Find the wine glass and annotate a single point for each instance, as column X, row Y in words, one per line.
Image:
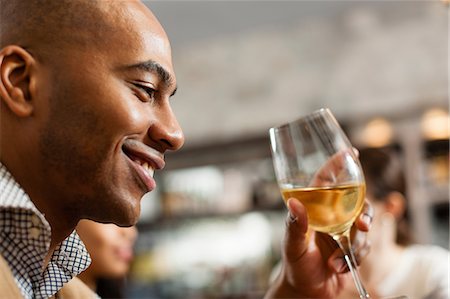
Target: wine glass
column 315, row 163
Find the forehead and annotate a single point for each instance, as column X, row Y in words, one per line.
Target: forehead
column 137, row 37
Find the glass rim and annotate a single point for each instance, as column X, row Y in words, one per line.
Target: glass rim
column 302, row 119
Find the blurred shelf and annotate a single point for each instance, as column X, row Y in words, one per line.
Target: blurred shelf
column 218, row 153
column 175, row 220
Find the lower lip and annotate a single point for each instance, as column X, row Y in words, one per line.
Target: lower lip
column 148, row 181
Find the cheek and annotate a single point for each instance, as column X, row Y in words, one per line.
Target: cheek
column 132, row 116
column 120, row 116
column 80, row 148
column 90, row 127
column 136, row 121
column 67, row 144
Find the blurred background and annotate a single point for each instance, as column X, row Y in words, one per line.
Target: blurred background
column 213, row 227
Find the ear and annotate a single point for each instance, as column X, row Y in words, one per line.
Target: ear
column 15, row 77
column 395, row 204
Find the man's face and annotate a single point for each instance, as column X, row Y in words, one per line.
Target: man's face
column 109, row 119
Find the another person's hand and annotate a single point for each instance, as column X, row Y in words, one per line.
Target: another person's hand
column 313, row 265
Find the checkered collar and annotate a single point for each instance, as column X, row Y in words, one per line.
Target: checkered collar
column 25, row 240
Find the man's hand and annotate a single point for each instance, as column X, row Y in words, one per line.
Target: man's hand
column 313, row 265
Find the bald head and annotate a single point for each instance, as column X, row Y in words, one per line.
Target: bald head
column 24, row 21
column 51, row 25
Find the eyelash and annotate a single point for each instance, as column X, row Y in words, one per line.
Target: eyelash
column 150, row 92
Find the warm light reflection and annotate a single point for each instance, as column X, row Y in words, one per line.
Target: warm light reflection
column 377, row 133
column 435, row 124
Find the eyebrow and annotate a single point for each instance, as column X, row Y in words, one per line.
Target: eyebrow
column 154, row 67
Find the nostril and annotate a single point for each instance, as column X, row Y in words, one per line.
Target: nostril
column 166, row 136
column 167, row 142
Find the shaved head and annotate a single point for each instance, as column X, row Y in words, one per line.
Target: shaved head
column 49, row 25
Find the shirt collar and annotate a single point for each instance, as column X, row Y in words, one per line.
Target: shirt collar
column 27, row 225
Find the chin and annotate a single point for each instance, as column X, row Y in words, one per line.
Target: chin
column 119, row 272
column 125, row 213
column 127, row 217
column 116, row 202
column 132, row 215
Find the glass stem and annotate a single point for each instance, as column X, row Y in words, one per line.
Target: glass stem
column 344, row 243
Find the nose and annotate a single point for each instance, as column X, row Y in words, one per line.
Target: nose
column 165, row 132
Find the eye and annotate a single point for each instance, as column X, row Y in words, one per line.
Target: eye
column 149, row 93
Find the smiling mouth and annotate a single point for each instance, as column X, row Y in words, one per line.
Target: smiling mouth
column 144, row 164
column 145, row 161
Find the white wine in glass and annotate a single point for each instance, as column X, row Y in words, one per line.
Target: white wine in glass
column 315, row 163
column 331, row 210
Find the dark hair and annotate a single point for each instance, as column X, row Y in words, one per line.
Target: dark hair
column 383, row 171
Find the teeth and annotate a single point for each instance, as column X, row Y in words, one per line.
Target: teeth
column 148, row 168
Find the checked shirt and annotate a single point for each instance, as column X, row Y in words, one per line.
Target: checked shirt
column 25, row 240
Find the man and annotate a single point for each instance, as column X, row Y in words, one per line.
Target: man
column 85, row 122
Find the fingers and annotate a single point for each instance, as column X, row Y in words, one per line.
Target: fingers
column 296, row 228
column 360, row 243
column 364, row 219
column 336, row 262
column 360, row 250
column 361, row 247
column 329, row 172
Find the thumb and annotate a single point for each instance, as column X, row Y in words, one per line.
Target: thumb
column 295, row 241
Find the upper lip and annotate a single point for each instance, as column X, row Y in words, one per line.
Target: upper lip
column 136, row 149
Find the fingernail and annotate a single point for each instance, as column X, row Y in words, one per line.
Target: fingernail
column 294, row 207
column 292, row 218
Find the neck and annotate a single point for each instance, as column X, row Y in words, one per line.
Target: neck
column 61, row 225
column 380, row 262
column 47, row 201
column 60, row 230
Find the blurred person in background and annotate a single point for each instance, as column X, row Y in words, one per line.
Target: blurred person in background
column 111, row 251
column 396, row 266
